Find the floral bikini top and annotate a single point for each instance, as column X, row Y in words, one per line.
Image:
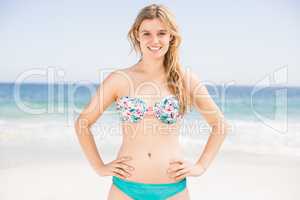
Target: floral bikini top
column 134, row 109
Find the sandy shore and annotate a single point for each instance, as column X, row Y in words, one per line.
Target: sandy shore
column 233, row 176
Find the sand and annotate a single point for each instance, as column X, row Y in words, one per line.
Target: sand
column 232, row 175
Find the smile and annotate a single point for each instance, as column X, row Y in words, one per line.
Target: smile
column 154, row 48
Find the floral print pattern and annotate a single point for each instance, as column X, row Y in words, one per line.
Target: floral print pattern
column 134, row 109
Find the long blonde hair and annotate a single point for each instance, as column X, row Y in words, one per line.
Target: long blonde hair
column 171, row 63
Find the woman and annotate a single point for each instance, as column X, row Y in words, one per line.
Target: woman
column 151, row 97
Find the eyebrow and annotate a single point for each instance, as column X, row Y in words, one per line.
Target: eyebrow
column 161, row 30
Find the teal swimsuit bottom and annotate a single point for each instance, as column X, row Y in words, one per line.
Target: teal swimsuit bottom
column 143, row 191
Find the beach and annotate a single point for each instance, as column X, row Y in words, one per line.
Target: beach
column 231, row 176
column 41, row 159
column 57, row 56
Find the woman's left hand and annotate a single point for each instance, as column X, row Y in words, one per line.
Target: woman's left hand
column 179, row 169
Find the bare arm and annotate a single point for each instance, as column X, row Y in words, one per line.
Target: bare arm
column 104, row 97
column 203, row 102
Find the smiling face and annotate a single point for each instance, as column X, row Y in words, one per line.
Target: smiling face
column 154, row 38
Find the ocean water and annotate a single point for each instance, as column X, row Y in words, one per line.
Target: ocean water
column 35, row 117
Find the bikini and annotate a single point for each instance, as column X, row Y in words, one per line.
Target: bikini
column 133, row 109
column 143, row 191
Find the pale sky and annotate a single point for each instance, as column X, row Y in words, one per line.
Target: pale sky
column 240, row 41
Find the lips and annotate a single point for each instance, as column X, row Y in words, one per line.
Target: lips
column 154, row 49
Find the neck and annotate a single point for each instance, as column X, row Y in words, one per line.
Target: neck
column 152, row 66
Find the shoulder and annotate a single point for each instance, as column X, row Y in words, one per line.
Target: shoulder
column 118, row 81
column 118, row 76
column 191, row 78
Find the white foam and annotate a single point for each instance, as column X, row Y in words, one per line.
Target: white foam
column 246, row 136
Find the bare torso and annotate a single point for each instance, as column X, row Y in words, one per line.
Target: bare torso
column 150, row 142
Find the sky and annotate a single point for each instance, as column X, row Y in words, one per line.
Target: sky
column 243, row 42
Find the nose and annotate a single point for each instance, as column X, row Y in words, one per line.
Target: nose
column 155, row 39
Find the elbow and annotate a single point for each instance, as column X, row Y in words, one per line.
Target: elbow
column 80, row 124
column 77, row 122
column 220, row 127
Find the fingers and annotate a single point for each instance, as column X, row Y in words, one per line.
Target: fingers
column 178, row 169
column 177, row 178
column 178, row 161
column 120, row 168
column 175, row 168
column 120, row 173
column 120, row 163
column 124, row 166
column 180, row 174
column 123, row 169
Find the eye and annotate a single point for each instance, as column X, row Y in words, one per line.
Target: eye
column 162, row 33
column 146, row 34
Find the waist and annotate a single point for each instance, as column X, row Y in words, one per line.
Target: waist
column 118, row 181
column 151, row 164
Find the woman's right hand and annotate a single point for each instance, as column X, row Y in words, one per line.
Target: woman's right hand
column 117, row 168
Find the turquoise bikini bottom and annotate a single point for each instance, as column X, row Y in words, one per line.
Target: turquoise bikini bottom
column 143, row 191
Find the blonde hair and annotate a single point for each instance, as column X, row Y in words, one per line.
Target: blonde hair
column 172, row 67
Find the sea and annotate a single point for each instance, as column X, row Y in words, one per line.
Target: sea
column 37, row 121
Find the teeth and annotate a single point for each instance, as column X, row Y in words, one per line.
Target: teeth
column 154, row 48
